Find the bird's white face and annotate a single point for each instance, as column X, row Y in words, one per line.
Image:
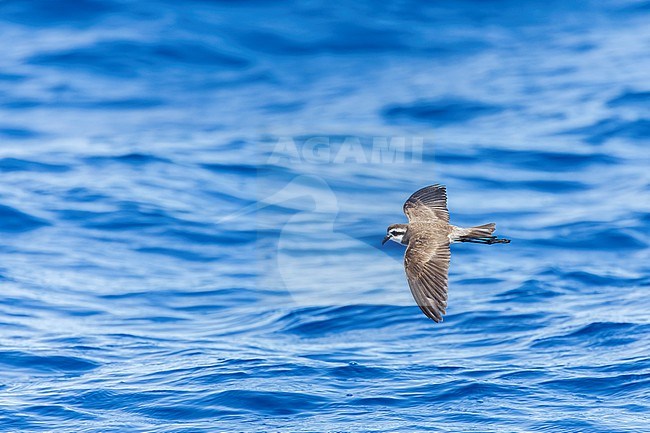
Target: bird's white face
column 395, row 234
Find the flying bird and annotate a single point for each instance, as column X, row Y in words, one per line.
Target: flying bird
column 427, row 237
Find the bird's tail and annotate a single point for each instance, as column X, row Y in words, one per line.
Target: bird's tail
column 481, row 235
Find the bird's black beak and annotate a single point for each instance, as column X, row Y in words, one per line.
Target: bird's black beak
column 385, row 239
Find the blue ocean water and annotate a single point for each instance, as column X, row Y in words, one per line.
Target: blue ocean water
column 191, row 214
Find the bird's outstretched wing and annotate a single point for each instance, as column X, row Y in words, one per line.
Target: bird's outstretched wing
column 427, row 204
column 427, row 265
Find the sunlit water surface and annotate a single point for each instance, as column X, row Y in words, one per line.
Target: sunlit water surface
column 167, row 264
